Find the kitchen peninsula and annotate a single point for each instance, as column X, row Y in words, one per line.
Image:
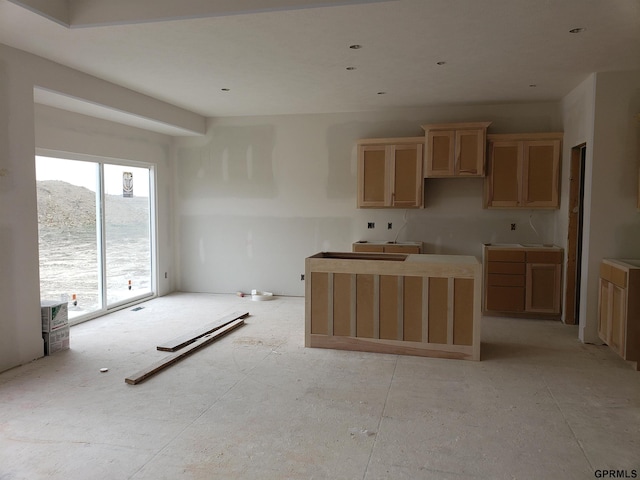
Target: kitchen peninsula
column 426, row 305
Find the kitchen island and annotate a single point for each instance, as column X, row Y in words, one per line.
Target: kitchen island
column 426, row 305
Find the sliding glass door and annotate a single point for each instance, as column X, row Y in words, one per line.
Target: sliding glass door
column 95, row 235
column 127, row 233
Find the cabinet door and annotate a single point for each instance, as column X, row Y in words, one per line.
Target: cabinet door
column 541, row 168
column 439, row 159
column 469, row 153
column 503, row 182
column 372, row 176
column 543, row 288
column 618, row 318
column 603, row 310
column 406, row 178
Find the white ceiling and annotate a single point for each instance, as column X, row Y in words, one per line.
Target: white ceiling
column 290, row 58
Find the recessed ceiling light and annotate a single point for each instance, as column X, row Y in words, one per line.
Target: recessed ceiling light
column 225, row 89
column 577, row 30
column 441, row 63
column 351, row 68
column 355, row 47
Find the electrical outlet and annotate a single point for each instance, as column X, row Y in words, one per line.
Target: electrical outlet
column 389, row 226
column 165, row 275
column 371, row 225
column 302, row 277
column 513, row 226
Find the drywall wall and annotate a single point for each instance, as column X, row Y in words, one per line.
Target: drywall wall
column 613, row 226
column 20, row 327
column 256, row 195
column 578, row 115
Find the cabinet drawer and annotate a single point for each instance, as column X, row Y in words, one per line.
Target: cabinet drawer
column 506, row 255
column 505, row 299
column 554, row 257
column 497, row 280
column 613, row 274
column 506, row 268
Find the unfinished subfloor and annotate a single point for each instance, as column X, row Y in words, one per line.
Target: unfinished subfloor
column 259, row 405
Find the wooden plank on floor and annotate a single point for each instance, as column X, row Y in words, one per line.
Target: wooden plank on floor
column 184, row 340
column 179, row 355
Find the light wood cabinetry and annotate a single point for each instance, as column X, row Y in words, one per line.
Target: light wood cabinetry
column 455, row 149
column 390, row 172
column 523, row 170
column 387, row 247
column 543, row 283
column 521, row 279
column 619, row 307
column 427, row 305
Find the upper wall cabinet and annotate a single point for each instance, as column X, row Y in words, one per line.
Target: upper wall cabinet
column 523, row 170
column 455, row 149
column 390, row 172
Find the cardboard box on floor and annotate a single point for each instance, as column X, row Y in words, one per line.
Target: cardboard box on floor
column 54, row 315
column 56, row 341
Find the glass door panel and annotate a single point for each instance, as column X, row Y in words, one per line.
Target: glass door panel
column 127, row 233
column 68, row 234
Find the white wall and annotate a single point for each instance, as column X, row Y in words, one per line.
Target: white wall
column 578, row 109
column 613, row 226
column 20, row 327
column 259, row 194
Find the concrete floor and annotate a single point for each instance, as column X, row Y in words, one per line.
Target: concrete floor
column 258, row 405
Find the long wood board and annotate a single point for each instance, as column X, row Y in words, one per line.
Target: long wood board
column 184, row 340
column 176, row 356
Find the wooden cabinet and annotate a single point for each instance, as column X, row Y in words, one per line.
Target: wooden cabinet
column 505, row 278
column 387, row 247
column 619, row 307
column 523, row 280
column 455, row 149
column 426, row 305
column 523, row 170
column 390, row 172
column 543, row 282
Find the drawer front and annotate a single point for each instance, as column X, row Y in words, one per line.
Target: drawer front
column 554, row 257
column 613, row 274
column 506, row 268
column 360, row 247
column 497, row 280
column 505, row 255
column 402, row 249
column 505, row 299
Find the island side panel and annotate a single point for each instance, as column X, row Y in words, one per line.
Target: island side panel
column 319, row 303
column 413, row 308
column 389, row 307
column 463, row 311
column 365, row 306
column 438, row 309
column 342, row 298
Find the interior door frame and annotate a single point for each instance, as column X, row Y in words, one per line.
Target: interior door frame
column 574, row 234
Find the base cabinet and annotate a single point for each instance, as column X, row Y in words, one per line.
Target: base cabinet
column 619, row 307
column 523, row 280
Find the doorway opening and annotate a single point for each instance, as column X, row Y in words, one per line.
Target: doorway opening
column 96, row 241
column 574, row 242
